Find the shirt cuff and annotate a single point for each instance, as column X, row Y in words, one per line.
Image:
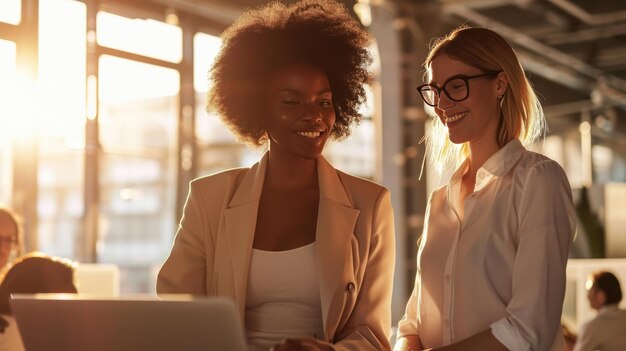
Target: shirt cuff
column 508, row 335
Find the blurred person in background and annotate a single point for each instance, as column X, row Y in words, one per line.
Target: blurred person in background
column 607, row 330
column 305, row 250
column 31, row 273
column 10, row 236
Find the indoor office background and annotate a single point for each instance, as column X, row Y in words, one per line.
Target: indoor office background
column 102, row 121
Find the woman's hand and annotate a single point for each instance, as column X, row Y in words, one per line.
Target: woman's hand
column 409, row 343
column 304, row 344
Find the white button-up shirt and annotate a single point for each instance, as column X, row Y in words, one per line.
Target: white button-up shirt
column 500, row 267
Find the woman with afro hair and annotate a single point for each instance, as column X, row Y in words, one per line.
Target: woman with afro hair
column 304, row 250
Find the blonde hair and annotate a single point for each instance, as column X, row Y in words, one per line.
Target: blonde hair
column 521, row 113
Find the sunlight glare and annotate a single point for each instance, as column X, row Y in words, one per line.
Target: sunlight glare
column 146, row 37
column 20, row 117
column 62, row 68
column 7, row 77
column 130, row 81
column 206, row 49
column 11, row 11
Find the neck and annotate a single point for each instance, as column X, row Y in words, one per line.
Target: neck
column 480, row 152
column 286, row 171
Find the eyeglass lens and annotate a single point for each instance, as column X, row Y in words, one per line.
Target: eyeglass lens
column 455, row 89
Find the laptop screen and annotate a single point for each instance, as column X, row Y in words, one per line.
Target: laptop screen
column 77, row 322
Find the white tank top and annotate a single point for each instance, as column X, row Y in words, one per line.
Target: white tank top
column 283, row 297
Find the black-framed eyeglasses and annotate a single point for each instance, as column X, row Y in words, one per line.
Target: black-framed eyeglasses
column 456, row 88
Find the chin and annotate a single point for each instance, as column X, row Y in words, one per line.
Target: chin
column 309, row 153
column 456, row 139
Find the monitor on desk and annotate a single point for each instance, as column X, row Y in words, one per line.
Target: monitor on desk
column 77, row 322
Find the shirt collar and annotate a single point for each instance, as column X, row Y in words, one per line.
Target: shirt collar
column 458, row 174
column 499, row 164
column 504, row 159
column 607, row 308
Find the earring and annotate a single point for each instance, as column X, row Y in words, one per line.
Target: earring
column 500, row 97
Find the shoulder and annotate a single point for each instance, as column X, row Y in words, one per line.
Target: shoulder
column 535, row 167
column 621, row 315
column 541, row 178
column 363, row 193
column 593, row 324
column 354, row 184
column 533, row 161
column 613, row 315
column 221, row 180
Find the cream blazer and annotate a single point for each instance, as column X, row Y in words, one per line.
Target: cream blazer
column 355, row 249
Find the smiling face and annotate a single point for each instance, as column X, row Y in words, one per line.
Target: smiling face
column 300, row 113
column 474, row 119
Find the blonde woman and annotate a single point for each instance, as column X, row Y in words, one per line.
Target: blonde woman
column 491, row 260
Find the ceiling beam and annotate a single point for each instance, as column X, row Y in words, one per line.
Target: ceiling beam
column 219, row 11
column 587, row 34
column 588, row 18
column 614, row 87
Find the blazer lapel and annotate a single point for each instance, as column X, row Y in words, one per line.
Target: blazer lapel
column 336, row 221
column 236, row 232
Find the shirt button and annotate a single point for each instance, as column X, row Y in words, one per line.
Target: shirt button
column 446, row 322
column 447, row 277
column 350, row 288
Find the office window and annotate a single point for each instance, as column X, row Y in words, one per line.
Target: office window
column 60, row 130
column 145, row 37
column 11, row 11
column 7, row 117
column 217, row 148
column 358, row 154
column 138, row 134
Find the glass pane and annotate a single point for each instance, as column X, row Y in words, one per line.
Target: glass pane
column 7, row 79
column 356, row 155
column 5, row 173
column 11, row 11
column 217, row 148
column 138, row 134
column 62, row 55
column 206, row 48
column 140, row 36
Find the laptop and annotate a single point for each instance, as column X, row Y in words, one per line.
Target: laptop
column 71, row 322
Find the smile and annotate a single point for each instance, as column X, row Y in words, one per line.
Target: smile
column 311, row 135
column 454, row 118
